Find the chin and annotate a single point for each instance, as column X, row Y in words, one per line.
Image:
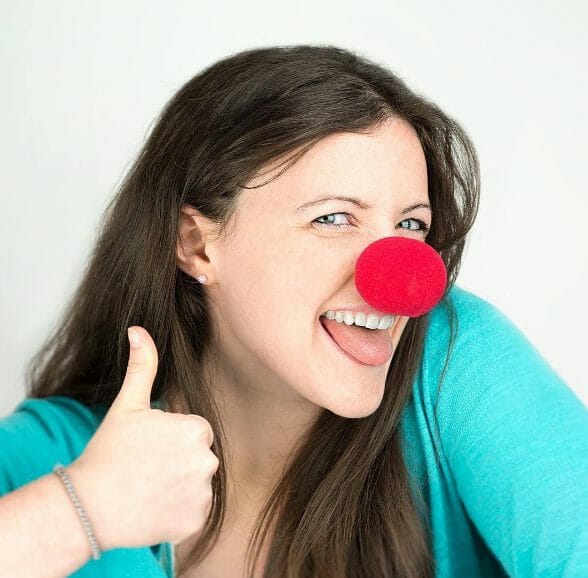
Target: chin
column 356, row 414
column 355, row 408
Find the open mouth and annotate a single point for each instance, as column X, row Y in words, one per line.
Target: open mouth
column 363, row 346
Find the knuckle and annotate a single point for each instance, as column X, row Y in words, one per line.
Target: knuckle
column 195, row 419
column 135, row 366
column 203, row 428
column 211, row 466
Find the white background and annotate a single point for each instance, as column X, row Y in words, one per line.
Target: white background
column 81, row 83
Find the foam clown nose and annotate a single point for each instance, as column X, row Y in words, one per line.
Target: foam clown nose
column 401, row 276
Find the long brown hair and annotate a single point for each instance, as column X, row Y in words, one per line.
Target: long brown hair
column 344, row 507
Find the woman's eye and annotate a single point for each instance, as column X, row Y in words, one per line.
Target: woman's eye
column 423, row 227
column 337, row 225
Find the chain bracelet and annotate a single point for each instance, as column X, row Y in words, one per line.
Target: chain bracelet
column 62, row 473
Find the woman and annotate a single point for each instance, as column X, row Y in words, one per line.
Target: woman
column 446, row 458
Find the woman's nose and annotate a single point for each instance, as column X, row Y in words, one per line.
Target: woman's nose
column 401, row 276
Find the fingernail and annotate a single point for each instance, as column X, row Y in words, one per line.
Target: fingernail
column 134, row 338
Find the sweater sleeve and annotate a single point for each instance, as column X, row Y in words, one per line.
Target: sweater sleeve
column 514, row 438
column 39, row 433
column 43, row 431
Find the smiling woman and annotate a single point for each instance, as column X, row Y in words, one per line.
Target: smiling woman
column 337, row 455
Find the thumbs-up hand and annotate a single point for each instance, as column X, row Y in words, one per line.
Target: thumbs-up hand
column 145, row 476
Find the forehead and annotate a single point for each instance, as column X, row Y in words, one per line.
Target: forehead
column 384, row 166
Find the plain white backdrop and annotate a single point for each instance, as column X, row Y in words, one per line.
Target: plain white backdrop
column 82, row 82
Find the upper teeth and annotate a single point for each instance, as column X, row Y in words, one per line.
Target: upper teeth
column 372, row 321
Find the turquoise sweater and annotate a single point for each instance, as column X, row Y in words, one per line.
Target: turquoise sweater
column 507, row 497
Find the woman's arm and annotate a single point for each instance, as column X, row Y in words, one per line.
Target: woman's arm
column 515, row 438
column 41, row 535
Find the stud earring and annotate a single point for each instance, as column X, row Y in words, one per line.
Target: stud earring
column 201, row 279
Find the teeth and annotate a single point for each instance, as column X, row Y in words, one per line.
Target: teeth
column 372, row 322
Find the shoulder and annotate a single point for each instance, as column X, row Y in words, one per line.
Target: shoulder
column 491, row 373
column 470, row 332
column 472, row 317
column 40, row 432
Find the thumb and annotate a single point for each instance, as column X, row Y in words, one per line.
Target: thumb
column 135, row 392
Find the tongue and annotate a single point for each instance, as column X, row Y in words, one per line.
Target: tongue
column 370, row 346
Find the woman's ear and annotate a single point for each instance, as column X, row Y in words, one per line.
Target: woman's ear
column 194, row 232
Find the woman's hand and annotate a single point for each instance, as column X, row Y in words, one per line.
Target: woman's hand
column 145, row 476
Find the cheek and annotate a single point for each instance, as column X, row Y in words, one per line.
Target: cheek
column 268, row 288
column 295, row 275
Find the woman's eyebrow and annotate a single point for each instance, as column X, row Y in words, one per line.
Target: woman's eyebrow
column 361, row 204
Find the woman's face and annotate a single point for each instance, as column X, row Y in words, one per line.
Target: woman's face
column 280, row 268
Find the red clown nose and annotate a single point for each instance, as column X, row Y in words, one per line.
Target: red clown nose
column 401, row 276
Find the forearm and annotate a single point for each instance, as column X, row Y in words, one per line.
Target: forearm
column 41, row 534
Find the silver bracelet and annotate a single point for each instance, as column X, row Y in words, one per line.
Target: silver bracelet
column 62, row 473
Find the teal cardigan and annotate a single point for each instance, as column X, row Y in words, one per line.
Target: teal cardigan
column 504, row 476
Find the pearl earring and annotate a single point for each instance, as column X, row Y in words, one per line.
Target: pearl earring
column 201, row 279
